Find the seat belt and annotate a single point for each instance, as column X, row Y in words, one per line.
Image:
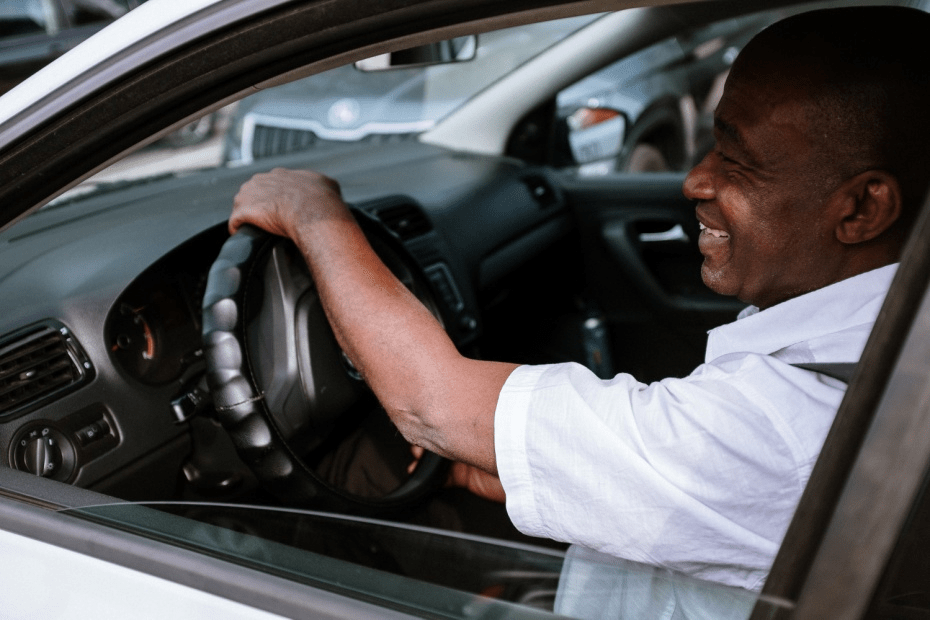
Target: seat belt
column 842, row 371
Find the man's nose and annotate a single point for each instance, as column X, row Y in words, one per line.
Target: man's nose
column 699, row 184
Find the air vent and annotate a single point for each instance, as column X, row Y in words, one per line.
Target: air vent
column 406, row 220
column 37, row 364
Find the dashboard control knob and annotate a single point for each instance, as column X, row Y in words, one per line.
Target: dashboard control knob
column 41, row 456
column 44, row 450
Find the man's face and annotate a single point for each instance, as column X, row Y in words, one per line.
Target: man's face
column 764, row 236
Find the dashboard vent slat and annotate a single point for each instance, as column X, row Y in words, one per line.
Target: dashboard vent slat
column 407, row 221
column 36, row 365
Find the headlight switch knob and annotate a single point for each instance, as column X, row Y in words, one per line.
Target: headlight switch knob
column 41, row 456
column 44, row 450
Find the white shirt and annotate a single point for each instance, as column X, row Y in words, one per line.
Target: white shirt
column 702, row 474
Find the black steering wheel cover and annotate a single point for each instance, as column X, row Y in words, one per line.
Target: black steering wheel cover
column 241, row 408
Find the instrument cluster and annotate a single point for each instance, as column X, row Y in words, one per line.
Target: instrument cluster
column 153, row 330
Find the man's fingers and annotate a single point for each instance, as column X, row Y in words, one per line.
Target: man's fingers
column 417, row 453
column 274, row 201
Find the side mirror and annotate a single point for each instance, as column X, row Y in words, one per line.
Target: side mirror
column 460, row 49
column 595, row 134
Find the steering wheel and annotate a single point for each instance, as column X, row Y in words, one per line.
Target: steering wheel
column 285, row 392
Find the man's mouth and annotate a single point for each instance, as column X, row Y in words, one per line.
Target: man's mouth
column 712, row 231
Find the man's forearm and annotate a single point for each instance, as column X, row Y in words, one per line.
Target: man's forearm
column 437, row 398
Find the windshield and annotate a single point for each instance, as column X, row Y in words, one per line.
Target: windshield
column 344, row 107
column 347, row 104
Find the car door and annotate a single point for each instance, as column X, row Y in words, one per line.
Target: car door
column 639, row 233
column 643, row 271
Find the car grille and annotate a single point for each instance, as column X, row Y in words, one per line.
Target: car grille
column 37, row 364
column 269, row 141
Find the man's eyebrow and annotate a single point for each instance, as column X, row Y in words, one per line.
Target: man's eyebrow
column 732, row 133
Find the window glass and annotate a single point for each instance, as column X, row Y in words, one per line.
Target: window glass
column 415, row 568
column 426, row 571
column 347, row 105
column 82, row 12
column 905, row 588
column 19, row 18
column 652, row 111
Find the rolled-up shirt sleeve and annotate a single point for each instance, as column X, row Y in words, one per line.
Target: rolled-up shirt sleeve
column 699, row 474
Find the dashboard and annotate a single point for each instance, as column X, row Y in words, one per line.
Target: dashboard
column 153, row 329
column 116, row 279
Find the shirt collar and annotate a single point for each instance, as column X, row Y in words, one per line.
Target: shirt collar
column 833, row 308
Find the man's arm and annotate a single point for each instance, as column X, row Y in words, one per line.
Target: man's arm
column 438, row 399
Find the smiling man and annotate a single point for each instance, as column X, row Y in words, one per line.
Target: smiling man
column 820, row 164
column 800, row 192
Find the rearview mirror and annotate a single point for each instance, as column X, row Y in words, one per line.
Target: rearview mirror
column 460, row 49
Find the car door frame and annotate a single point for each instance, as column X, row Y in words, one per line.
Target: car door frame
column 642, row 270
column 874, row 463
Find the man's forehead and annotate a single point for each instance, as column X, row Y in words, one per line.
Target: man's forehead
column 763, row 117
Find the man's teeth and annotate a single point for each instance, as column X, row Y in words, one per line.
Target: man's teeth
column 712, row 231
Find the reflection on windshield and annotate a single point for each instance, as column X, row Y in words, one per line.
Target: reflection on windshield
column 349, row 105
column 342, row 106
column 427, row 571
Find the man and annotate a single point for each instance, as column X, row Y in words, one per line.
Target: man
column 804, row 204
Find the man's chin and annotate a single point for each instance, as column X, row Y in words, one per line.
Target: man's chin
column 716, row 280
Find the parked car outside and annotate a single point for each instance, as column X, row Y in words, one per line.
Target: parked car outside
column 664, row 95
column 33, row 33
column 349, row 104
column 125, row 492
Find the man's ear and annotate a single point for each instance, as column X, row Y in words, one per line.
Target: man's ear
column 870, row 203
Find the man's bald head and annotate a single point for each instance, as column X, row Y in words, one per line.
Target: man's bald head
column 865, row 72
column 822, row 154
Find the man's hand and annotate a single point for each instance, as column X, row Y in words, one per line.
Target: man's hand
column 436, row 397
column 479, row 482
column 281, row 201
